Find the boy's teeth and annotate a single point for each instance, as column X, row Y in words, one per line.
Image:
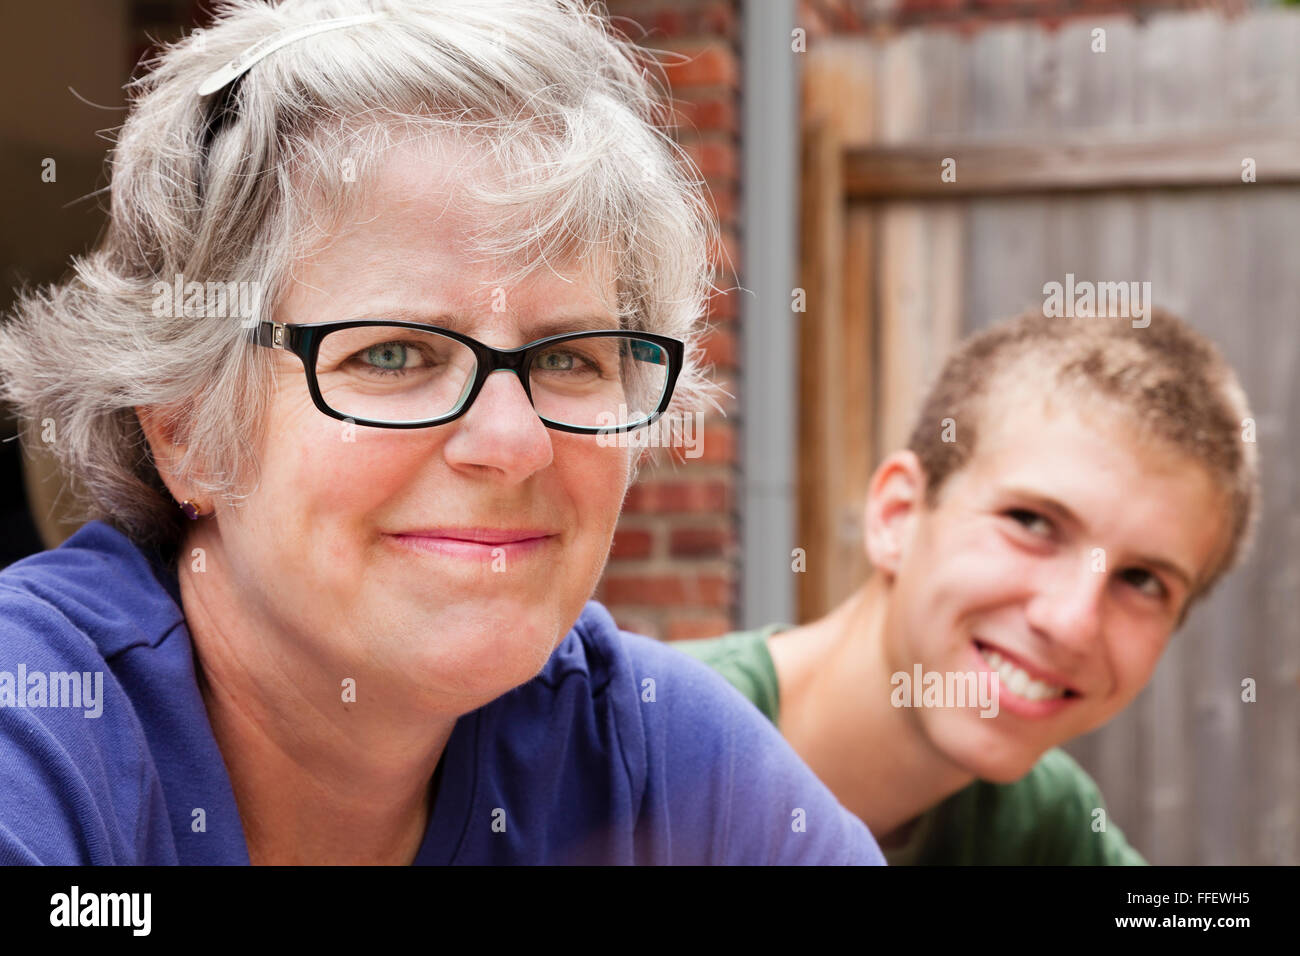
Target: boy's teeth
column 1019, row 682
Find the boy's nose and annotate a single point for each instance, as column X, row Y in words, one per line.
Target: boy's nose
column 1070, row 611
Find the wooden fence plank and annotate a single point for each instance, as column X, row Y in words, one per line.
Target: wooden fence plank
column 1075, row 163
column 821, row 439
column 857, row 371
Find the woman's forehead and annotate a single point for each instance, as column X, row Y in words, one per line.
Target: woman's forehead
column 410, row 223
column 395, row 279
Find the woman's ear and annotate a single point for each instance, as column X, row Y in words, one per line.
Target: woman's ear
column 894, row 497
column 160, row 431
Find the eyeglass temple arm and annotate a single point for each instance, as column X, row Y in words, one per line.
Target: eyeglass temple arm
column 274, row 335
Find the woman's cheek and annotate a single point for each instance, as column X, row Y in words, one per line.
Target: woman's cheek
column 350, row 469
column 596, row 486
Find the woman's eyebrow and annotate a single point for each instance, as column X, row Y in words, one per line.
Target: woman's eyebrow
column 583, row 323
column 464, row 323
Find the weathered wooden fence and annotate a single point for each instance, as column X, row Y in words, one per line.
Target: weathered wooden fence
column 1117, row 165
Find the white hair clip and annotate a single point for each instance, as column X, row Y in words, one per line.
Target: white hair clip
column 262, row 48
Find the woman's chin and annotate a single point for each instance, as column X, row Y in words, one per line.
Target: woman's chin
column 482, row 660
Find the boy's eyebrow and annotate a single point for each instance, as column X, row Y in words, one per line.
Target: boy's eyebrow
column 1064, row 513
column 1047, row 504
column 1169, row 567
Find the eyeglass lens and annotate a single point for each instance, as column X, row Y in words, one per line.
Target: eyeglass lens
column 401, row 375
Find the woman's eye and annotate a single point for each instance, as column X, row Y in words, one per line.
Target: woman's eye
column 556, row 361
column 1144, row 581
column 388, row 356
column 1031, row 520
column 572, row 362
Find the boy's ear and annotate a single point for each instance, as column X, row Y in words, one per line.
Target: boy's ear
column 894, row 498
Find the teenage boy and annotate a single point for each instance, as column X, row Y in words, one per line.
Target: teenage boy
column 1070, row 489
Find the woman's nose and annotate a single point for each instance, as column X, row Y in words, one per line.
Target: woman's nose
column 501, row 431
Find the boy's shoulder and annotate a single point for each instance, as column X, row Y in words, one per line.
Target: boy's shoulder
column 1048, row 816
column 1054, row 815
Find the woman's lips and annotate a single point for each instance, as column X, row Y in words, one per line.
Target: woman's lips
column 477, row 544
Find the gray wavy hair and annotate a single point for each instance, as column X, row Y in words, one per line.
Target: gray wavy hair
column 571, row 113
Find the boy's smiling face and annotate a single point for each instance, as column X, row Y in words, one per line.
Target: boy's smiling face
column 1060, row 555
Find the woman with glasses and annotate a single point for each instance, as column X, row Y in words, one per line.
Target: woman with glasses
column 332, row 605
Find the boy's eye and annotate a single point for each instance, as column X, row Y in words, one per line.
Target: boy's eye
column 1031, row 520
column 1144, row 581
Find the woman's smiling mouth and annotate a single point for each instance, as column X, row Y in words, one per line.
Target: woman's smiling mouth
column 478, row 544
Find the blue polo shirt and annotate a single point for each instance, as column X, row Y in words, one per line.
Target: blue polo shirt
column 621, row 750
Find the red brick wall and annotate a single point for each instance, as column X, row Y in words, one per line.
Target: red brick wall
column 673, row 570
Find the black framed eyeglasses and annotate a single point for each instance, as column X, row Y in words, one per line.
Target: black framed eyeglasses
column 392, row 374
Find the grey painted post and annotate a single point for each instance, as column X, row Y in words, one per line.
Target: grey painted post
column 769, row 210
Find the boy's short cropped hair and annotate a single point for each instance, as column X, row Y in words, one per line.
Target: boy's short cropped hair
column 1166, row 380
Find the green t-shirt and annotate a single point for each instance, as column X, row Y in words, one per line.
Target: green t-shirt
column 1045, row 818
